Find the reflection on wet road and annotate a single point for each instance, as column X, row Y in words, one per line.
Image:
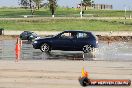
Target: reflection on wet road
column 114, row 51
column 7, row 49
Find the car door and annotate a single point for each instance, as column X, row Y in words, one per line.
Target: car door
column 81, row 40
column 63, row 42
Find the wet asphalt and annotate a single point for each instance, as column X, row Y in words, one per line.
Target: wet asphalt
column 115, row 51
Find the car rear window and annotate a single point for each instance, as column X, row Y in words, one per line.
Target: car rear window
column 24, row 33
column 82, row 35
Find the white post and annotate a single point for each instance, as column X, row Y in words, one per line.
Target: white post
column 125, row 12
column 53, row 16
column 130, row 12
column 81, row 9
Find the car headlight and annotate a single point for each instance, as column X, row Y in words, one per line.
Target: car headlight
column 37, row 38
column 35, row 42
column 31, row 36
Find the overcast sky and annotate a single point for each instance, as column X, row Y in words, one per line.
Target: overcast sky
column 117, row 4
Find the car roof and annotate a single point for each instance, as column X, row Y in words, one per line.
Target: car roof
column 29, row 31
column 76, row 31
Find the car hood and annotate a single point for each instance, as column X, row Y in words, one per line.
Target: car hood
column 46, row 38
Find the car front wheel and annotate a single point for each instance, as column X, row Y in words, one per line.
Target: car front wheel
column 45, row 47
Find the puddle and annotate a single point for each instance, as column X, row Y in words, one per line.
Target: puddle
column 114, row 51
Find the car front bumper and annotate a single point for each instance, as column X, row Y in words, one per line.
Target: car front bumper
column 35, row 45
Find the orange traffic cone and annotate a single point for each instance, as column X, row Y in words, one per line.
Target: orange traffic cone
column 17, row 49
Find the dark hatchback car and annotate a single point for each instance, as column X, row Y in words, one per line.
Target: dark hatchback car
column 68, row 41
column 27, row 35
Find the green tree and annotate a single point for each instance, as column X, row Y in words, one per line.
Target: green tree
column 37, row 2
column 32, row 4
column 24, row 3
column 28, row 3
column 87, row 3
column 52, row 6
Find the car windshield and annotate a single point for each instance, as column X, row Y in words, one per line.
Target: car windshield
column 56, row 35
column 34, row 34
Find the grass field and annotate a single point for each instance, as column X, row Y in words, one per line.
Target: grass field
column 61, row 12
column 43, row 22
column 46, row 24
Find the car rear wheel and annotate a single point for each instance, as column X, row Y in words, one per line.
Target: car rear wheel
column 87, row 48
column 45, row 47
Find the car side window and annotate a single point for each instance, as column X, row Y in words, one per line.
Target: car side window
column 68, row 35
column 24, row 33
column 65, row 35
column 82, row 35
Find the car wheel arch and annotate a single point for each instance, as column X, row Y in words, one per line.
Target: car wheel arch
column 87, row 48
